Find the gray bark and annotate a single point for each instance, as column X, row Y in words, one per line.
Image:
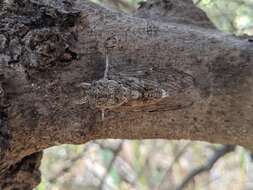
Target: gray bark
column 73, row 72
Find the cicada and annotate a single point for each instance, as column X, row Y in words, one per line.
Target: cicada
column 142, row 90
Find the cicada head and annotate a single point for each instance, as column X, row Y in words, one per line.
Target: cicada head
column 107, row 94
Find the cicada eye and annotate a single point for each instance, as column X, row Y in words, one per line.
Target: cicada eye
column 135, row 94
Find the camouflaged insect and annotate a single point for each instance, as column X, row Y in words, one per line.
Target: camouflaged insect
column 108, row 94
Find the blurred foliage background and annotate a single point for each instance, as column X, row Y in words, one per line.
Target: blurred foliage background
column 156, row 164
column 232, row 16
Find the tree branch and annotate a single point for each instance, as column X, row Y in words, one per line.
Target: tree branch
column 163, row 80
column 110, row 165
column 177, row 11
column 207, row 166
column 175, row 160
column 65, row 169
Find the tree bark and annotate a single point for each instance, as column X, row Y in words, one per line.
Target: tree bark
column 71, row 72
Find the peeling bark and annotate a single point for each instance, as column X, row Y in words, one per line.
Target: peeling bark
column 74, row 71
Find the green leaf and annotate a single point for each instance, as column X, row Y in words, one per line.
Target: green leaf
column 42, row 186
column 115, row 176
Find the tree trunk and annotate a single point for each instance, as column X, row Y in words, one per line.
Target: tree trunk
column 72, row 71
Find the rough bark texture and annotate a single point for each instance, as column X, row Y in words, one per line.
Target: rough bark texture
column 174, row 11
column 71, row 71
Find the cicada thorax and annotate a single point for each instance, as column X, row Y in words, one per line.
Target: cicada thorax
column 106, row 94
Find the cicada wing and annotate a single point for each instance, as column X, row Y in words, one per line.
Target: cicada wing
column 173, row 82
column 173, row 103
column 170, row 79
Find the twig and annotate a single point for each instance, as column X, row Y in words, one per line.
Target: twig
column 69, row 166
column 197, row 2
column 207, row 166
column 109, row 167
column 169, row 170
